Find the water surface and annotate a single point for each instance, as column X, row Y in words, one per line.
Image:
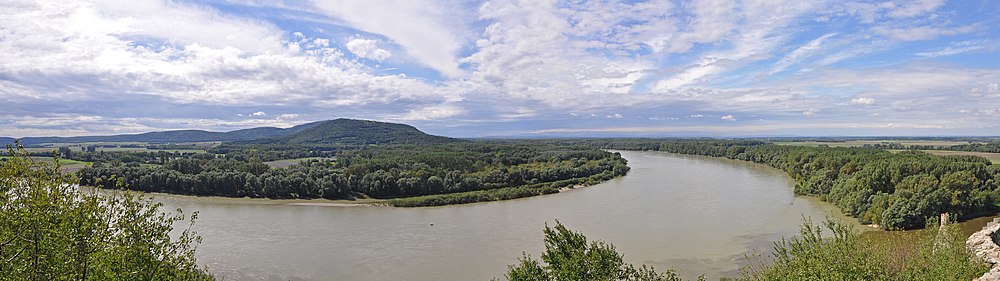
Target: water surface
column 697, row 215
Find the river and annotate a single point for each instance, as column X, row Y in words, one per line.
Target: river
column 696, row 215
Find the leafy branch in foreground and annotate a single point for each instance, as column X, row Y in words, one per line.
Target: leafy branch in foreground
column 568, row 256
column 52, row 230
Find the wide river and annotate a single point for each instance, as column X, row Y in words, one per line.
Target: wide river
column 696, row 215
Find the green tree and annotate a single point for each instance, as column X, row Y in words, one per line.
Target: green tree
column 50, row 229
column 568, row 256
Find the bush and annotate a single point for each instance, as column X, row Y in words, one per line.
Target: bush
column 50, row 229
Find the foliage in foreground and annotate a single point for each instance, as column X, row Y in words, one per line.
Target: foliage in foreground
column 934, row 253
column 832, row 251
column 51, row 230
column 568, row 256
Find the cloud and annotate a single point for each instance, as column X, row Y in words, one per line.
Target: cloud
column 425, row 29
column 862, row 101
column 434, row 112
column 728, row 118
column 615, row 116
column 799, row 53
column 516, row 65
column 367, row 48
column 956, row 48
column 713, row 21
column 919, row 33
column 258, row 113
column 915, row 8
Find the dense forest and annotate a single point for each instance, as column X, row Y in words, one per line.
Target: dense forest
column 892, row 190
column 490, row 171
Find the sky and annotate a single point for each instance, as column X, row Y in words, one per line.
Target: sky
column 504, row 67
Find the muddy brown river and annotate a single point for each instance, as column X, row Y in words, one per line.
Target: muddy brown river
column 696, row 215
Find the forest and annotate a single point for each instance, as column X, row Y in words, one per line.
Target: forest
column 464, row 172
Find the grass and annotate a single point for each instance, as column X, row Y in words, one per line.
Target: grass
column 67, row 165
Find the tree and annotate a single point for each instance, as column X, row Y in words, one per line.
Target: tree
column 50, row 229
column 568, row 256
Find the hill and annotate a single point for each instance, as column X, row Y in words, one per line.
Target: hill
column 162, row 137
column 356, row 132
column 330, row 132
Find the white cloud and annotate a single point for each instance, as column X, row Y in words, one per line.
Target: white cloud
column 258, row 113
column 862, row 101
column 762, row 28
column 530, row 52
column 915, row 8
column 104, row 50
column 425, row 29
column 989, row 89
column 799, row 53
column 433, row 112
column 696, row 115
column 919, row 33
column 367, row 48
column 810, row 112
column 615, row 116
column 713, row 22
column 729, row 118
column 954, row 49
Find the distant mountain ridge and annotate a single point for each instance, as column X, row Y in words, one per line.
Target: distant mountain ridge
column 356, row 132
column 330, row 132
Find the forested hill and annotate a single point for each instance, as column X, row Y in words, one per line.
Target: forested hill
column 356, row 132
column 170, row 136
column 330, row 132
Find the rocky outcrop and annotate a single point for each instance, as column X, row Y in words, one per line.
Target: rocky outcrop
column 983, row 244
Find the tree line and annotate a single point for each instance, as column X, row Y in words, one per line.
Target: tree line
column 394, row 171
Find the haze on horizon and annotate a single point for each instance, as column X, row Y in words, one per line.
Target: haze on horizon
column 499, row 68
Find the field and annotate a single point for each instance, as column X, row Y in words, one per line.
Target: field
column 67, row 165
column 122, row 146
column 994, row 157
column 860, row 143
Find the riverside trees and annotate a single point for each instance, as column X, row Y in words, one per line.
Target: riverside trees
column 393, row 171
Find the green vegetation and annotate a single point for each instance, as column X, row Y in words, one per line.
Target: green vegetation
column 51, row 230
column 506, row 193
column 934, row 253
column 829, row 252
column 464, row 171
column 568, row 256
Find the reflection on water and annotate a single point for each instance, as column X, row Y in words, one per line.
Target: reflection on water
column 697, row 215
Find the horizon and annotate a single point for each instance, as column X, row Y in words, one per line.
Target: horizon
column 577, row 136
column 489, row 69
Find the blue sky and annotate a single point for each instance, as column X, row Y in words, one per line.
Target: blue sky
column 504, row 68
